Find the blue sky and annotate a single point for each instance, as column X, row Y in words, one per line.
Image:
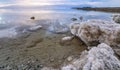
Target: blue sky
column 54, row 2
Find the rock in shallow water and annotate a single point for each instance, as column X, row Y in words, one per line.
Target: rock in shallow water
column 35, row 28
column 116, row 18
column 93, row 32
column 74, row 28
column 98, row 58
column 74, row 19
column 58, row 27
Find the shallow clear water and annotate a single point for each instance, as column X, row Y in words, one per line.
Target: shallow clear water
column 13, row 17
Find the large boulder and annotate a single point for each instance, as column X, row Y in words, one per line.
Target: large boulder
column 98, row 58
column 93, row 32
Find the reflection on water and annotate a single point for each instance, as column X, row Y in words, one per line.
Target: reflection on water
column 16, row 17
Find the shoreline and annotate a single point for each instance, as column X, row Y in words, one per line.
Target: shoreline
column 102, row 9
column 45, row 45
column 41, row 51
column 36, row 50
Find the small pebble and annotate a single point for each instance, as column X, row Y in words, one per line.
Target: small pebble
column 37, row 60
column 74, row 19
column 7, row 58
column 70, row 58
column 41, row 66
column 9, row 68
column 51, row 59
column 38, row 66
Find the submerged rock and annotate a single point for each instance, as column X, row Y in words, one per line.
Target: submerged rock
column 35, row 28
column 98, row 58
column 74, row 19
column 93, row 32
column 81, row 18
column 116, row 18
column 58, row 27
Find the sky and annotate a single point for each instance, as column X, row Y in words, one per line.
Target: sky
column 98, row 3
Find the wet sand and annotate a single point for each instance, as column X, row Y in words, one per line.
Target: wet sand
column 34, row 50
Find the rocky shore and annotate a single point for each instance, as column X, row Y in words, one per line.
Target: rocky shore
column 88, row 45
column 98, row 58
column 102, row 39
column 38, row 48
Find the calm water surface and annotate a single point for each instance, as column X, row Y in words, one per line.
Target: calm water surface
column 13, row 17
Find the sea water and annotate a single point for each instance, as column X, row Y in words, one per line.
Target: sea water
column 14, row 16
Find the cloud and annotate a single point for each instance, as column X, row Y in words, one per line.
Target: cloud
column 56, row 2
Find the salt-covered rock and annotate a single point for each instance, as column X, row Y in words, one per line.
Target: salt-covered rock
column 116, row 18
column 74, row 28
column 67, row 38
column 58, row 27
column 35, row 28
column 93, row 32
column 98, row 58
